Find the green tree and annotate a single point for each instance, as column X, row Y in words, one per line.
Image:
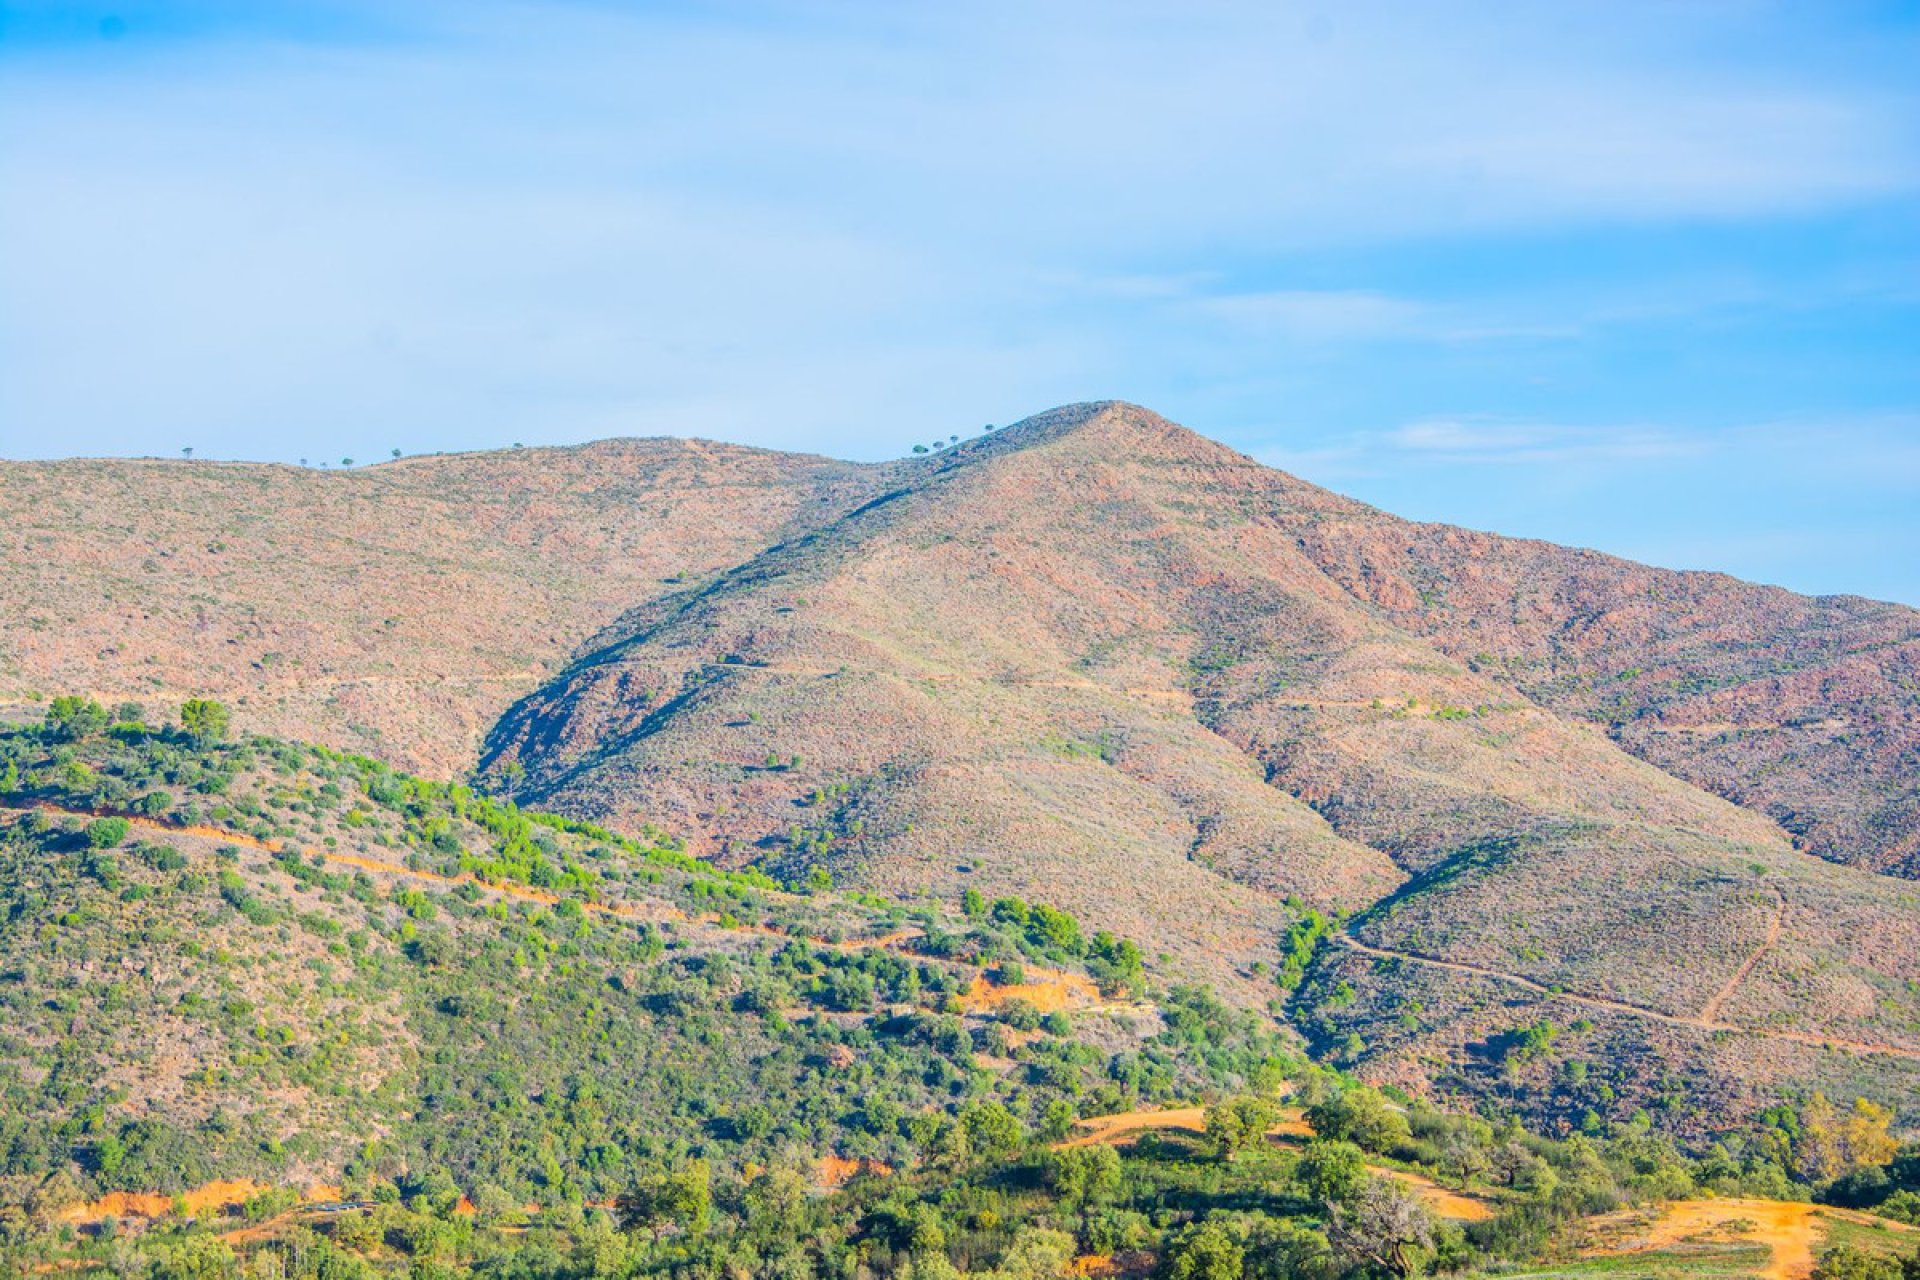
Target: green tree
column 776, row 1203
column 107, row 833
column 1205, row 1251
column 683, row 1198
column 1115, row 964
column 1056, row 1119
column 992, row 1131
column 203, row 1257
column 1037, row 1253
column 71, row 718
column 1361, row 1116
column 1332, row 1170
column 1238, row 1124
column 436, row 1193
column 1084, row 1175
column 204, row 720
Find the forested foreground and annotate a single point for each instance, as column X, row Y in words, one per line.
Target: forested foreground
column 270, row 1010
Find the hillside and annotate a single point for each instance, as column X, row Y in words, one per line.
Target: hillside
column 1588, row 829
column 1807, row 710
column 397, row 609
column 274, row 1010
column 335, row 970
column 1227, row 728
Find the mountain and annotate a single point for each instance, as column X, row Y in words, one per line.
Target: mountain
column 397, row 609
column 1591, row 830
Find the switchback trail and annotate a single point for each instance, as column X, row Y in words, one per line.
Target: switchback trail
column 1697, row 1022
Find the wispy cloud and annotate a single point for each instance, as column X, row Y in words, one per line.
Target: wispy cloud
column 1486, row 440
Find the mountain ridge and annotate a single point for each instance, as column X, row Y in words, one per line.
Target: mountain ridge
column 1098, row 659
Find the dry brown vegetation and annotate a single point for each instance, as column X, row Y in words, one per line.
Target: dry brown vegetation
column 396, row 609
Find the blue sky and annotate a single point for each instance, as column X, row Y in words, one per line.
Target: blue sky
column 1644, row 277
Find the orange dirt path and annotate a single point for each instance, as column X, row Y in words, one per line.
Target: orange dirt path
column 212, row 1198
column 837, row 1171
column 1791, row 1231
column 1125, row 1128
column 1711, row 1010
column 1046, row 989
column 1448, row 1204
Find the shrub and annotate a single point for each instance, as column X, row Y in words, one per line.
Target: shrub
column 70, row 719
column 107, row 833
column 204, row 720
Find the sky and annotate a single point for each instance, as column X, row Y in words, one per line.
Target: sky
column 1644, row 277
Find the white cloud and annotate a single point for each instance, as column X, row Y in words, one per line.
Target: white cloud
column 1487, row 440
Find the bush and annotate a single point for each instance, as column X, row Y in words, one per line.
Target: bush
column 107, row 833
column 1361, row 1116
column 70, row 719
column 1846, row 1262
column 204, row 720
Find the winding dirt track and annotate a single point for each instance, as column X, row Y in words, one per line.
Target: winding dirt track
column 1698, row 1021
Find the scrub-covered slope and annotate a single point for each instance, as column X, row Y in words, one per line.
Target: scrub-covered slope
column 396, row 609
column 1099, row 661
column 1099, row 657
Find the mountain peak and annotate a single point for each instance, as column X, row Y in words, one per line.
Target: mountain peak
column 1102, row 428
column 1101, row 417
